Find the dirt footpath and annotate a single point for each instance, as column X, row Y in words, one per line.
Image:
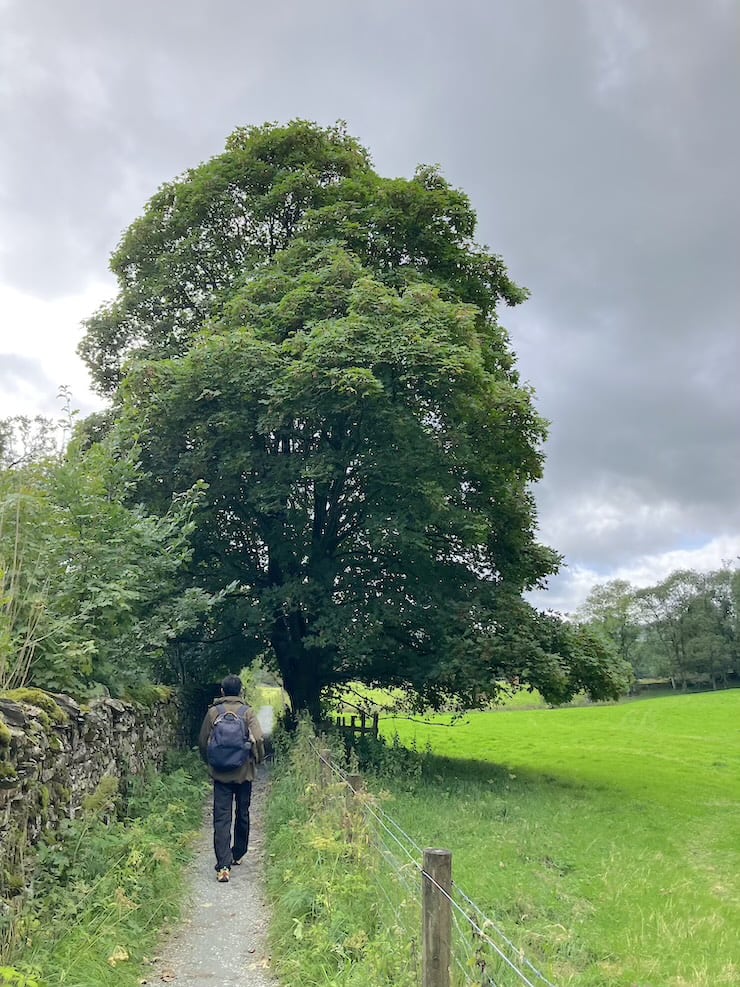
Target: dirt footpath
column 223, row 938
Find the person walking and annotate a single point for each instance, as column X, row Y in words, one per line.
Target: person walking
column 232, row 745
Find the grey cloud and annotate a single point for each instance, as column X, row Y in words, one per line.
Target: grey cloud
column 631, row 428
column 26, row 383
column 598, row 142
column 113, row 87
column 17, row 371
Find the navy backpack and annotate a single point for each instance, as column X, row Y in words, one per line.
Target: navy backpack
column 229, row 745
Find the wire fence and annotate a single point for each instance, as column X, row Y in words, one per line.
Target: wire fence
column 482, row 953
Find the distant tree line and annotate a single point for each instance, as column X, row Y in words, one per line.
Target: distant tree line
column 685, row 628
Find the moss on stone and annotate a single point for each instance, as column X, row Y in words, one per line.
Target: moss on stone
column 62, row 794
column 5, row 734
column 149, row 695
column 7, row 770
column 42, row 700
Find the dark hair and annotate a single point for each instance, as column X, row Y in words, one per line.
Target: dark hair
column 231, row 685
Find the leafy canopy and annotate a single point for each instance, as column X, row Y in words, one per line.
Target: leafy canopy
column 207, row 230
column 319, row 345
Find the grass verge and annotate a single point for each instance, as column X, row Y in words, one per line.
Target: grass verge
column 105, row 885
column 336, row 922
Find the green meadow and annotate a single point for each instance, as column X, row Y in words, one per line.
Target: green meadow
column 605, row 840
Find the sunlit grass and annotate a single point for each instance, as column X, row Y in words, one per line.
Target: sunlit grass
column 606, row 839
column 357, row 697
column 267, row 695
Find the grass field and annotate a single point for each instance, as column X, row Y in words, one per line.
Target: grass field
column 358, row 696
column 606, row 840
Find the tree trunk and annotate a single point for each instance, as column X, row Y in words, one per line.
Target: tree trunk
column 304, row 699
column 298, row 666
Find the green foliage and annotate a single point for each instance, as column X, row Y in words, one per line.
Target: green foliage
column 686, row 627
column 102, row 891
column 103, row 799
column 592, row 836
column 13, row 977
column 149, row 695
column 89, row 584
column 22, row 594
column 387, row 758
column 611, row 608
column 25, row 440
column 318, row 348
column 331, row 924
column 693, row 623
column 201, row 232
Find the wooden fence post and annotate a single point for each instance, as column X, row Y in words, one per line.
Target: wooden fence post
column 325, row 772
column 436, row 918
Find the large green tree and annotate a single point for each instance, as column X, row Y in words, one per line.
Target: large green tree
column 320, row 346
column 204, row 232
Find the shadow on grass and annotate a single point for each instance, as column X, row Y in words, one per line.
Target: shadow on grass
column 453, row 771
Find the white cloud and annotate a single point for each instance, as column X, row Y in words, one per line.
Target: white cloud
column 603, row 516
column 38, row 340
column 570, row 588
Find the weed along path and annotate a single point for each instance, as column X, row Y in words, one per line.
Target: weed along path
column 223, row 938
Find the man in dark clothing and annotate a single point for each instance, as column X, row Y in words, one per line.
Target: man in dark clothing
column 232, row 788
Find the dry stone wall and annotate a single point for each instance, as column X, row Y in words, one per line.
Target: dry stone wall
column 51, row 758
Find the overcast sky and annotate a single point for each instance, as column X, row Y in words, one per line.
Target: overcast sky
column 598, row 140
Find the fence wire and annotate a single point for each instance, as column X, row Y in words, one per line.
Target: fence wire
column 482, row 954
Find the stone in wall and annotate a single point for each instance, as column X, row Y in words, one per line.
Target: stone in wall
column 49, row 764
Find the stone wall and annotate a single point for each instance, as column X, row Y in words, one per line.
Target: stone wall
column 54, row 754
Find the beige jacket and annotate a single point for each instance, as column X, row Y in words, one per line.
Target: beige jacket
column 247, row 771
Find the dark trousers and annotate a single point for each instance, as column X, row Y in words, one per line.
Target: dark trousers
column 226, row 795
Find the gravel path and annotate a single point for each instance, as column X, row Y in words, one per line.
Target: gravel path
column 223, row 938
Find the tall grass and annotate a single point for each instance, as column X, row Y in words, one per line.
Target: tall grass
column 23, row 592
column 337, row 920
